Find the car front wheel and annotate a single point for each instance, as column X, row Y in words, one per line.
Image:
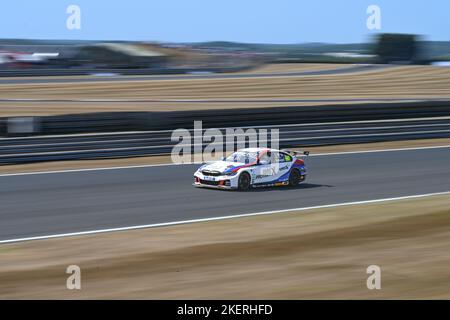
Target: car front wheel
column 244, row 181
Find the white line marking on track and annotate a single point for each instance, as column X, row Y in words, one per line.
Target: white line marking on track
column 379, row 150
column 167, row 224
column 192, row 163
column 212, row 144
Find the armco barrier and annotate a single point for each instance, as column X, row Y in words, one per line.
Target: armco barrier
column 137, row 121
column 144, row 143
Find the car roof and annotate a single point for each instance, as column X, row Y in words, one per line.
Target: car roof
column 257, row 149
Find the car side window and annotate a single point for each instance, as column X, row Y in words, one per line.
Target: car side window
column 275, row 157
column 265, row 159
column 284, row 157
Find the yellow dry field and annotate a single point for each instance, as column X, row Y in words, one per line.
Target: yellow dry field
column 294, row 67
column 321, row 254
column 401, row 82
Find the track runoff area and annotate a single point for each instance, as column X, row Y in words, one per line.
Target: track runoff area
column 148, row 196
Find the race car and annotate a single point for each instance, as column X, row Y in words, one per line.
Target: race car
column 253, row 167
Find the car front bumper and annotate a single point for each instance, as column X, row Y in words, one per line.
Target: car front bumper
column 216, row 182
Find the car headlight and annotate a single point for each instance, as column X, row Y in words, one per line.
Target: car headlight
column 230, row 173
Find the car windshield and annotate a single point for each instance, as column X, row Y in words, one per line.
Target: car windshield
column 243, row 157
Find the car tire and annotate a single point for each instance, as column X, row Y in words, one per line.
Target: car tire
column 244, row 181
column 294, row 178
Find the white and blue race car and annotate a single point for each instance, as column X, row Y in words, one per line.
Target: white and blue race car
column 253, row 167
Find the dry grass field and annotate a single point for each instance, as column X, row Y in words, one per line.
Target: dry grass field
column 401, row 82
column 295, row 67
column 321, row 253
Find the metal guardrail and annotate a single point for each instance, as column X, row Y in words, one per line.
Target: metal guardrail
column 127, row 134
column 114, row 145
column 145, row 121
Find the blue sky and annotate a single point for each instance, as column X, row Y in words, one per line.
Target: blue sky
column 264, row 21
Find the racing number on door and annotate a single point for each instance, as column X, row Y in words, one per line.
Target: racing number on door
column 268, row 171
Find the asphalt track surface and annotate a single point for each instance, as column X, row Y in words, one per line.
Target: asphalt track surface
column 46, row 204
column 65, row 79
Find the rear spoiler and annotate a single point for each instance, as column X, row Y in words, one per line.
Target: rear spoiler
column 297, row 153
